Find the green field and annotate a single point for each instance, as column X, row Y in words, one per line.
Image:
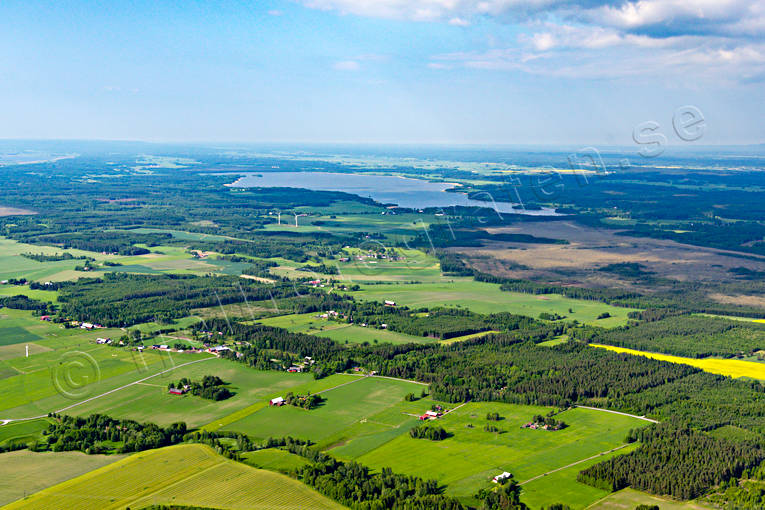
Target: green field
column 23, row 472
column 466, row 461
column 274, row 460
column 150, row 401
column 13, row 265
column 628, row 499
column 487, row 298
column 189, row 474
column 23, row 431
column 345, row 406
column 341, row 332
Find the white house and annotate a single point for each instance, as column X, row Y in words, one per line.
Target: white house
column 501, row 477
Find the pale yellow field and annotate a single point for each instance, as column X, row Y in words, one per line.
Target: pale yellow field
column 187, row 474
column 729, row 367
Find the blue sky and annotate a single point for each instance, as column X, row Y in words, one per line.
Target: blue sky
column 432, row 71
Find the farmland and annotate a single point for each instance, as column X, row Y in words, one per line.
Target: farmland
column 357, row 399
column 150, row 401
column 340, row 332
column 23, row 472
column 729, row 367
column 466, row 461
column 185, row 474
column 487, row 298
column 628, row 499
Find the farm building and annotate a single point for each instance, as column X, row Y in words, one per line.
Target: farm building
column 176, row 391
column 86, row 325
column 431, row 415
column 390, row 303
column 278, row 401
column 293, row 369
column 501, row 477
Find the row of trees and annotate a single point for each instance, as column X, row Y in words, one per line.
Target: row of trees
column 101, row 434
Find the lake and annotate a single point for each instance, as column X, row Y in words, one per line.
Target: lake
column 386, row 189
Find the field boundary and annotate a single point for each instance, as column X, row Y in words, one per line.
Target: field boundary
column 574, row 464
column 618, row 412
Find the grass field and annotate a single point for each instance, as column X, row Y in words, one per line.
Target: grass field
column 150, row 401
column 275, row 460
column 345, row 406
column 189, row 474
column 13, row 265
column 310, row 324
column 24, row 472
column 628, row 499
column 729, row 367
column 23, row 431
column 466, row 461
column 487, row 298
column 562, row 486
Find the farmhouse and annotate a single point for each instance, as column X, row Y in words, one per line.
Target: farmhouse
column 278, row 401
column 501, row 477
column 86, row 325
column 390, row 303
column 176, row 391
column 293, row 369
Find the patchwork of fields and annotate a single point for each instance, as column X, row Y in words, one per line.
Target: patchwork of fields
column 23, row 472
column 184, row 474
column 487, row 298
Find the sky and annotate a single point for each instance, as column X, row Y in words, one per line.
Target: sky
column 381, row 71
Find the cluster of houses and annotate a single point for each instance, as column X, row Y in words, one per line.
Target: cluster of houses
column 307, row 362
column 431, row 415
column 77, row 324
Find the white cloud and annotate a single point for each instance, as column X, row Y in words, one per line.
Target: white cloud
column 594, row 38
column 347, row 65
column 459, row 22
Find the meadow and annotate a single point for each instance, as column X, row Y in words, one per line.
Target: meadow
column 466, row 461
column 23, row 431
column 150, row 401
column 340, row 332
column 65, row 366
column 189, row 474
column 357, row 398
column 23, row 472
column 484, row 297
column 729, row 367
column 628, row 499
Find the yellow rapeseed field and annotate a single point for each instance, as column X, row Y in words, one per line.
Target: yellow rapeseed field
column 729, row 367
